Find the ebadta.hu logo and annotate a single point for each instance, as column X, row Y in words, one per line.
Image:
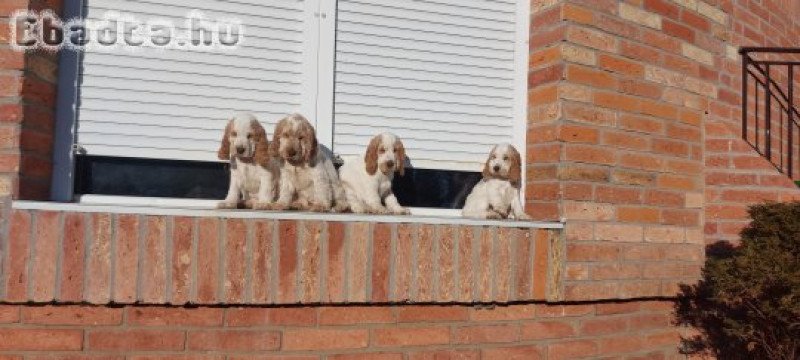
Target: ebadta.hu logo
column 118, row 31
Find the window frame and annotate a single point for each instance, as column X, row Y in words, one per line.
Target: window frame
column 319, row 86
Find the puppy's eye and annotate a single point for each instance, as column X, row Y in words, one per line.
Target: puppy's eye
column 382, row 150
column 300, row 138
column 233, row 133
column 505, row 157
column 492, row 157
column 249, row 136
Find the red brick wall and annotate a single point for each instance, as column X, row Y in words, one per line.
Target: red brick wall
column 630, row 330
column 99, row 258
column 735, row 174
column 27, row 111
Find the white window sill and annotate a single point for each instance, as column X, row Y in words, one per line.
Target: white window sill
column 172, row 210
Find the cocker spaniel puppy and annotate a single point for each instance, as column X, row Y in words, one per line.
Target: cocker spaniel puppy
column 253, row 171
column 367, row 181
column 308, row 179
column 496, row 196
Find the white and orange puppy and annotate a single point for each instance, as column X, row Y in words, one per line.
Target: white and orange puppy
column 367, row 181
column 496, row 196
column 308, row 179
column 253, row 171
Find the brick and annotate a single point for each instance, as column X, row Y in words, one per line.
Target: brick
column 98, row 285
column 513, row 353
column 134, row 340
column 696, row 53
column 664, row 234
column 615, row 271
column 619, row 232
column 484, row 281
column 627, row 177
column 367, row 356
column 287, row 268
column 234, row 340
column 181, row 273
column 208, row 260
column 484, row 334
column 638, row 214
column 288, row 316
column 416, row 336
column 677, row 30
column 640, row 88
column 592, row 252
column 589, row 114
column 620, row 344
column 445, row 355
column 695, row 21
column 579, row 55
column 543, row 57
column 589, row 154
column 541, row 259
column 45, row 255
column 263, row 263
column 446, row 264
column 15, row 278
column 578, row 14
column 72, row 258
column 9, row 314
column 71, row 315
column 16, row 339
column 618, row 194
column 571, row 349
column 153, row 267
column 616, row 101
column 639, row 16
column 311, row 253
column 663, row 198
column 522, row 279
column 324, row 339
column 403, row 263
column 503, row 313
column 177, row 357
column 589, row 76
column 235, row 260
column 588, row 211
column 126, row 258
column 591, row 38
column 502, row 272
column 431, row 313
column 577, row 133
column 353, row 315
column 547, row 330
column 274, row 357
column 466, row 269
column 359, row 273
column 551, row 311
column 545, row 75
column 641, row 161
column 425, row 263
column 712, row 12
column 164, row 316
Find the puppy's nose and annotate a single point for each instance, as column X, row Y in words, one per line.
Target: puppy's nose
column 390, row 163
column 496, row 168
column 291, row 152
column 240, row 150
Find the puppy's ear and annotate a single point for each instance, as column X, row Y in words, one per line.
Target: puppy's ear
column 224, row 152
column 261, row 156
column 515, row 169
column 487, row 172
column 400, row 157
column 371, row 156
column 310, row 144
column 275, row 145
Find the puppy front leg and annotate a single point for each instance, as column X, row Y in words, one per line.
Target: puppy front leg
column 232, row 199
column 321, row 197
column 517, row 210
column 265, row 191
column 394, row 206
column 285, row 193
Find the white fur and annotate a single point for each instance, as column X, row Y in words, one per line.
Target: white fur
column 373, row 193
column 312, row 185
column 251, row 183
column 495, row 197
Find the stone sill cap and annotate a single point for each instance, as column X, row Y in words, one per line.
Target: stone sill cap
column 249, row 214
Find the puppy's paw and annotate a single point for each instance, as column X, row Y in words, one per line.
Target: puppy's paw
column 378, row 211
column 262, row 205
column 278, row 206
column 227, row 205
column 402, row 211
column 523, row 217
column 317, row 208
column 494, row 216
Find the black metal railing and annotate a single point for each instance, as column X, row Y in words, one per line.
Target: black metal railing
column 769, row 115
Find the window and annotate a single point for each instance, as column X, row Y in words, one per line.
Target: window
column 447, row 76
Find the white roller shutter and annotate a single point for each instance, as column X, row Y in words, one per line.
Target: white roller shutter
column 173, row 104
column 447, row 76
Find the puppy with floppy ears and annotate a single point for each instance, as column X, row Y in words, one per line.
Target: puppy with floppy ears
column 496, row 196
column 253, row 171
column 308, row 179
column 367, row 181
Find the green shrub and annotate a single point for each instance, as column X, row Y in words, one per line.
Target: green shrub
column 747, row 306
